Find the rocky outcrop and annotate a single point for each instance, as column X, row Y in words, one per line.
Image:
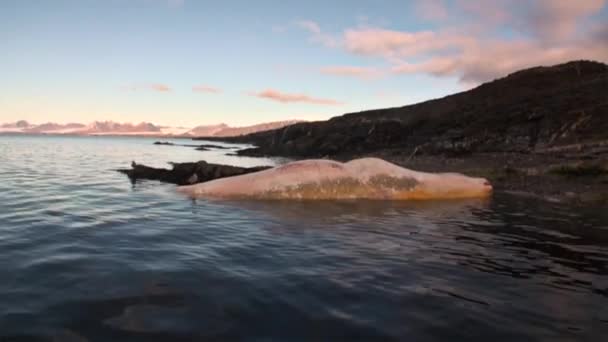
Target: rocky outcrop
column 187, row 173
column 533, row 110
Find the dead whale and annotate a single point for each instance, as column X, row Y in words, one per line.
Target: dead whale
column 367, row 178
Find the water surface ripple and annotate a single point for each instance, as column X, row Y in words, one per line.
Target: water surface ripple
column 87, row 256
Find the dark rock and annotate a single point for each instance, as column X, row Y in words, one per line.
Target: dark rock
column 204, row 147
column 218, row 147
column 187, row 173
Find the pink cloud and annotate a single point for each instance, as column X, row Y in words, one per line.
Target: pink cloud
column 467, row 57
column 490, row 11
column 558, row 31
column 437, row 66
column 434, row 10
column 206, row 89
column 394, row 44
column 475, row 65
column 353, row 71
column 160, row 87
column 163, row 88
column 475, row 49
column 275, row 95
column 558, row 19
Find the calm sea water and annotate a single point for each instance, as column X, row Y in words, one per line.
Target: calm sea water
column 87, row 256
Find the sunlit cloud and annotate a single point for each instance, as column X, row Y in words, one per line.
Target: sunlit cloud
column 278, row 96
column 365, row 73
column 394, row 44
column 490, row 11
column 546, row 32
column 559, row 19
column 205, row 89
column 474, row 65
column 159, row 87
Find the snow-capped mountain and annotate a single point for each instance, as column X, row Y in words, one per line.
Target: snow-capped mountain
column 94, row 128
column 207, row 130
column 141, row 129
column 236, row 131
column 224, row 130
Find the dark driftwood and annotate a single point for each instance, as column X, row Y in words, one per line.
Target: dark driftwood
column 187, row 173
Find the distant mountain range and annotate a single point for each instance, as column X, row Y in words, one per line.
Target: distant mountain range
column 141, row 129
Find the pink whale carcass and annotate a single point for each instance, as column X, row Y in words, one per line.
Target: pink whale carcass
column 367, row 178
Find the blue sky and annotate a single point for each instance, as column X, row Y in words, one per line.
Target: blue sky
column 187, row 62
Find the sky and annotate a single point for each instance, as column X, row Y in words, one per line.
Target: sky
column 194, row 62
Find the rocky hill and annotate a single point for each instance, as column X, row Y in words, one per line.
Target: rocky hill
column 562, row 107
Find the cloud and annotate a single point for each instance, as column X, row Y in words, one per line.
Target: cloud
column 558, row 19
column 159, row 87
column 205, row 89
column 353, row 71
column 393, row 44
column 275, row 95
column 502, row 39
column 436, row 66
column 475, row 65
column 309, row 26
column 434, row 10
column 489, row 11
column 316, row 34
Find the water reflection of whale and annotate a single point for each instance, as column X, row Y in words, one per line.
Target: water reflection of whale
column 368, row 178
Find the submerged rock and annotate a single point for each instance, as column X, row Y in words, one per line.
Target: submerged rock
column 187, row 173
column 214, row 147
column 368, row 178
column 204, row 147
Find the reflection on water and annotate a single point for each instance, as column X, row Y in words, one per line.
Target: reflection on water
column 86, row 256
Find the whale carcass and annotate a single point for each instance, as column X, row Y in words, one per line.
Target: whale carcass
column 367, row 178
